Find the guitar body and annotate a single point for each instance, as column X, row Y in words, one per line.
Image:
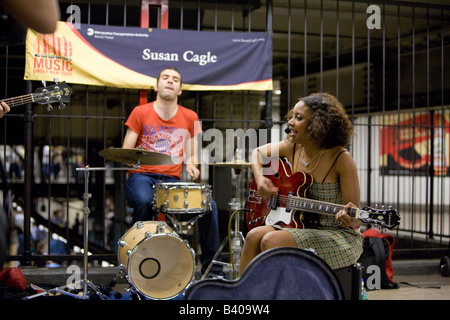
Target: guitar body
column 280, row 173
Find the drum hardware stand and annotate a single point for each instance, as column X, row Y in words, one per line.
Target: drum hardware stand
column 237, row 240
column 183, row 227
column 235, row 237
column 134, row 292
column 85, row 282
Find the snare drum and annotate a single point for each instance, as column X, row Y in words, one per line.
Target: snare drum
column 155, row 261
column 182, row 197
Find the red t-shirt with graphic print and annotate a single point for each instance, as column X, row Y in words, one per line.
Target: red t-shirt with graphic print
column 158, row 135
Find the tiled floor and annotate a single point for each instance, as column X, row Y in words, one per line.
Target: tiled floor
column 419, row 287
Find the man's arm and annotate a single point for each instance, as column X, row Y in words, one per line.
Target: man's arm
column 192, row 162
column 129, row 142
column 39, row 15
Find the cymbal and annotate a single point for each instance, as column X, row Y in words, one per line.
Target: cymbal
column 137, row 156
column 235, row 164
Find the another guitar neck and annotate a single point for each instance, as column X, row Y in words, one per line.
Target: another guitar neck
column 316, row 206
column 17, row 101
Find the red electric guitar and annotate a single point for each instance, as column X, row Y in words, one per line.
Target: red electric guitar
column 290, row 207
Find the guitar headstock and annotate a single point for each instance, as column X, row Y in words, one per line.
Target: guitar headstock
column 59, row 92
column 386, row 218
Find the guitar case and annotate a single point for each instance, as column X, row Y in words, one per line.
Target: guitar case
column 276, row 274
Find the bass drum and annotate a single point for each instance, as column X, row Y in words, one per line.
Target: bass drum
column 156, row 262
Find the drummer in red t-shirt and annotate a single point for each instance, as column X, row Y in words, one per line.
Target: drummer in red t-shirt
column 166, row 127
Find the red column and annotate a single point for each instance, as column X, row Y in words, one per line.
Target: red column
column 145, row 22
column 163, row 24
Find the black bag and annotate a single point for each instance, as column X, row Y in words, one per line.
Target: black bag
column 377, row 250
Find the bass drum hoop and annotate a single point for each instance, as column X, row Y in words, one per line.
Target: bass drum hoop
column 163, row 190
column 161, row 266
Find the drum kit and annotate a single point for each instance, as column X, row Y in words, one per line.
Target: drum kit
column 155, row 261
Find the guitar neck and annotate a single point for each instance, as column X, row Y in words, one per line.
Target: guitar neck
column 17, row 101
column 316, row 206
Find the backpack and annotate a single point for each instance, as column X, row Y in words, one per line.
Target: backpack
column 377, row 250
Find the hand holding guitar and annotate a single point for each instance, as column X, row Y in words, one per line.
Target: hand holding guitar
column 4, row 108
column 265, row 186
column 345, row 220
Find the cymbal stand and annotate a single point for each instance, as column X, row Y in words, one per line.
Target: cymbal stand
column 237, row 238
column 84, row 282
column 86, row 196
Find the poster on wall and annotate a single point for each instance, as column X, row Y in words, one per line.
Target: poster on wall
column 415, row 144
column 131, row 57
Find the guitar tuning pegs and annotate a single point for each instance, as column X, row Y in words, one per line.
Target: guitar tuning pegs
column 62, row 106
column 49, row 107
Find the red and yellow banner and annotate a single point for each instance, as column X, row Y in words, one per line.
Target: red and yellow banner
column 129, row 57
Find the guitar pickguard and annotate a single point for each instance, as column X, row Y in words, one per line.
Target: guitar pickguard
column 278, row 215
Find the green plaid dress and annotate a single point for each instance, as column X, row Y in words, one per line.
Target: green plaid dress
column 340, row 247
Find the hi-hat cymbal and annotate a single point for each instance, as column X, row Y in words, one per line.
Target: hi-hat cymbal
column 137, row 156
column 235, row 164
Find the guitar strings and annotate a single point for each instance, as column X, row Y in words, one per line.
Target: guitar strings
column 40, row 97
column 12, row 102
column 26, row 98
column 283, row 199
